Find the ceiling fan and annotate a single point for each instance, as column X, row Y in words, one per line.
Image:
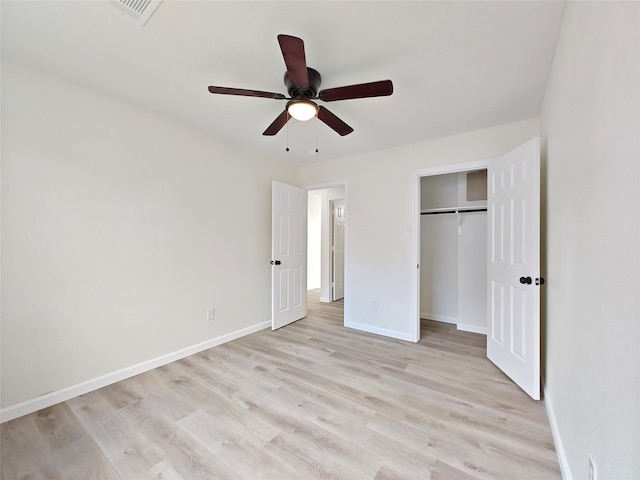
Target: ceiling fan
column 302, row 85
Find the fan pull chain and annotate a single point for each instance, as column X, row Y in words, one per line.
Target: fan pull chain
column 288, row 118
column 317, row 132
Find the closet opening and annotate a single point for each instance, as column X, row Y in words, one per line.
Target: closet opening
column 452, row 249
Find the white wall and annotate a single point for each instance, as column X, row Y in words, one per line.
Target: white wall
column 119, row 229
column 380, row 207
column 439, row 191
column 590, row 123
column 439, row 268
column 472, row 273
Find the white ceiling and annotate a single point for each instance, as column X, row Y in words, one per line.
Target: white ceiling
column 455, row 66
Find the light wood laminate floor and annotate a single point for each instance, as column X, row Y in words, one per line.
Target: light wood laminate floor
column 311, row 400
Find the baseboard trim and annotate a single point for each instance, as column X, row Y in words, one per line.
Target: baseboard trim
column 325, row 299
column 472, row 328
column 33, row 405
column 453, row 320
column 557, row 440
column 439, row 318
column 380, row 331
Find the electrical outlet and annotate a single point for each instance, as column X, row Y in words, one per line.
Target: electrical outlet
column 592, row 469
column 211, row 314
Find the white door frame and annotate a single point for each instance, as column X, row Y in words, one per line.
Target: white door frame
column 415, row 246
column 325, row 229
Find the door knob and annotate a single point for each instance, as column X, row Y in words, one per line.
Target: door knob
column 525, row 280
column 277, row 262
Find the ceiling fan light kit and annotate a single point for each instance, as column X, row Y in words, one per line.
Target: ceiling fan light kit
column 303, row 86
column 302, row 110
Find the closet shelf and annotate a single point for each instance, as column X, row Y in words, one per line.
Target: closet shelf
column 441, row 211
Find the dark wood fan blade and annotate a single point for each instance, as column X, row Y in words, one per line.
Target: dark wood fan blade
column 277, row 124
column 363, row 90
column 246, row 93
column 293, row 53
column 334, row 122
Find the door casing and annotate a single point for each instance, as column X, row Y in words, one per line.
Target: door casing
column 417, row 175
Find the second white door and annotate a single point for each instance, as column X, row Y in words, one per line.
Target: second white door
column 339, row 220
column 513, row 341
column 288, row 254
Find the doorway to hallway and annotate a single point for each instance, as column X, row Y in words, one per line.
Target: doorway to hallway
column 327, row 241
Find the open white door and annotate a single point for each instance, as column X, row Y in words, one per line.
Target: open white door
column 337, row 249
column 288, row 254
column 513, row 342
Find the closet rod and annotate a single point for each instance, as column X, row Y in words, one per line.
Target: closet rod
column 454, row 210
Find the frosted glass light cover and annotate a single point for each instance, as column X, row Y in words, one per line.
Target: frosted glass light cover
column 302, row 110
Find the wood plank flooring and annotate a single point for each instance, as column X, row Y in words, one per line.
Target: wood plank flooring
column 311, row 400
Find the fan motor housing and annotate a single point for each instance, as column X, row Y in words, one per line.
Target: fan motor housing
column 314, row 85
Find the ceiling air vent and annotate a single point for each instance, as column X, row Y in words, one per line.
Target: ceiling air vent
column 140, row 10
